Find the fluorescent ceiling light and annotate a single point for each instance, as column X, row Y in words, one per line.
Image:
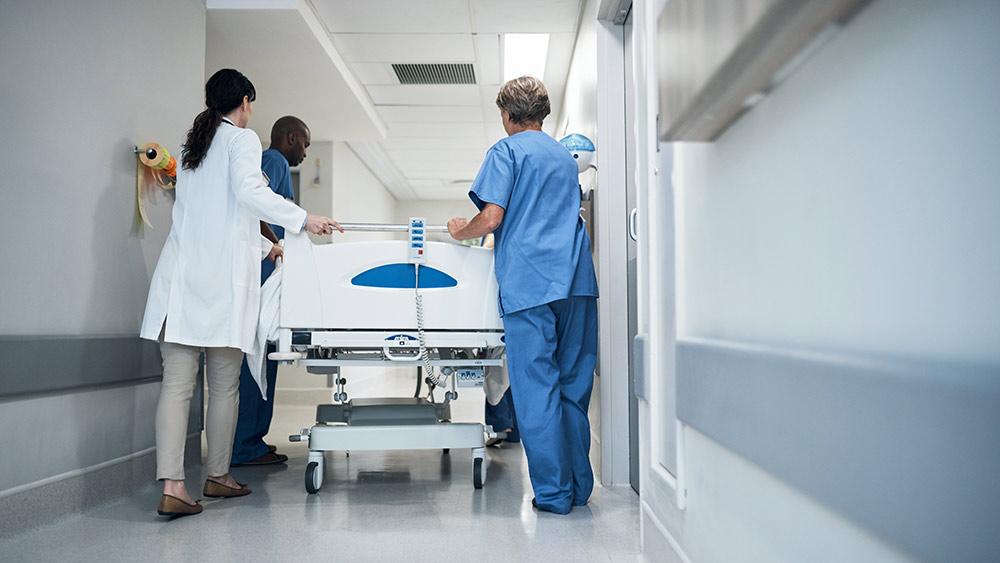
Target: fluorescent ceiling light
column 524, row 54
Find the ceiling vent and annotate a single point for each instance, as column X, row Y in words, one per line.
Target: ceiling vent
column 435, row 73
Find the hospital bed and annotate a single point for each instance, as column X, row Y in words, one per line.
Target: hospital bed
column 412, row 302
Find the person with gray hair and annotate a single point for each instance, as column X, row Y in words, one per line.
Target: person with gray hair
column 528, row 195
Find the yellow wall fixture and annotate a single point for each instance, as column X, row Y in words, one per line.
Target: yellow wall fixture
column 154, row 168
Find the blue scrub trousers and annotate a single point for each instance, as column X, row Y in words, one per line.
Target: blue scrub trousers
column 255, row 413
column 551, row 356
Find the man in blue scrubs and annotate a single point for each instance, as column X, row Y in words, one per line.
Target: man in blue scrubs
column 289, row 140
column 528, row 195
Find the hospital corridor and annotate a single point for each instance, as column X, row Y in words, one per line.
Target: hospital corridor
column 666, row 281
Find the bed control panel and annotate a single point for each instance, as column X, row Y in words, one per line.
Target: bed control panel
column 417, row 234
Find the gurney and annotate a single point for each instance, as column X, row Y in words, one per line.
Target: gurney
column 429, row 305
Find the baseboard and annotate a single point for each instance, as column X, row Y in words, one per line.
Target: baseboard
column 657, row 543
column 62, row 496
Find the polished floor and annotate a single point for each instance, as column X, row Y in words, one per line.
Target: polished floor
column 374, row 506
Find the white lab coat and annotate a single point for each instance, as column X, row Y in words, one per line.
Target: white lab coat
column 207, row 282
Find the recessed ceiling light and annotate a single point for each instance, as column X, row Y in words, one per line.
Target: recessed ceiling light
column 524, row 54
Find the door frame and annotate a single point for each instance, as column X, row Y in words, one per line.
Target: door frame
column 662, row 488
column 611, row 232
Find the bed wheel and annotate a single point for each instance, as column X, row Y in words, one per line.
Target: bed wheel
column 314, row 477
column 477, row 473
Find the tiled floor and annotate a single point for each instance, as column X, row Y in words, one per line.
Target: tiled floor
column 374, row 506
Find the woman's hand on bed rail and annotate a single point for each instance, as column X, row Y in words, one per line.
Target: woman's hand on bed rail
column 319, row 225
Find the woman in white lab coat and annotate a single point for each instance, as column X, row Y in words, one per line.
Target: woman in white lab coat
column 205, row 292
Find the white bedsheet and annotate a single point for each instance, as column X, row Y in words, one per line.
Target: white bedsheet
column 496, row 383
column 267, row 328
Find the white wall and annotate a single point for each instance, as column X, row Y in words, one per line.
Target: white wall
column 347, row 190
column 855, row 208
column 436, row 212
column 76, row 95
column 82, row 82
column 358, row 195
column 317, row 197
column 579, row 106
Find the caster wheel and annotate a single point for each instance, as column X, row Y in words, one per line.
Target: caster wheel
column 314, row 477
column 477, row 473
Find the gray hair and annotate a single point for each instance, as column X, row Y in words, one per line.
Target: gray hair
column 525, row 99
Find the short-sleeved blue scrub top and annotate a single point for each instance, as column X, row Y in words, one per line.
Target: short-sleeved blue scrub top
column 542, row 250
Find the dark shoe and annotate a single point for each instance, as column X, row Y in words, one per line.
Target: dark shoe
column 270, row 458
column 215, row 489
column 173, row 506
column 271, row 448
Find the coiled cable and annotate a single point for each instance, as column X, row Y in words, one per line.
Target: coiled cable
column 433, row 379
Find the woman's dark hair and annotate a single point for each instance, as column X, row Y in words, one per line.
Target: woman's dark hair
column 224, row 92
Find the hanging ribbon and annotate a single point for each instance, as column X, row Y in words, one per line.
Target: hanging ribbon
column 162, row 171
column 139, row 189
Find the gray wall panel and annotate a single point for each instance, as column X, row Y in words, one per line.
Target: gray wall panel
column 910, row 451
column 40, row 364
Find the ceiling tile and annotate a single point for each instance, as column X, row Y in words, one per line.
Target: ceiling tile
column 525, row 16
column 488, row 102
column 453, row 170
column 436, row 143
column 460, row 192
column 394, row 16
column 488, row 58
column 425, row 95
column 374, row 73
column 429, row 114
column 405, row 47
column 423, row 130
column 307, row 81
column 418, row 154
column 495, row 133
column 427, row 183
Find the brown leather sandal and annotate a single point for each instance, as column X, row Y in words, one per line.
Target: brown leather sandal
column 215, row 489
column 173, row 506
